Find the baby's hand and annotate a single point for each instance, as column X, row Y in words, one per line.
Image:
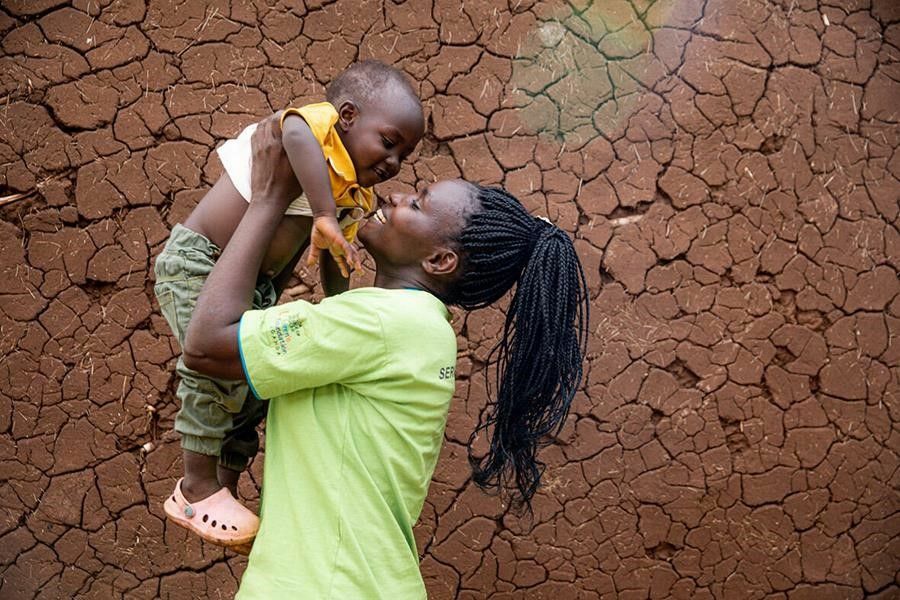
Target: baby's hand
column 327, row 235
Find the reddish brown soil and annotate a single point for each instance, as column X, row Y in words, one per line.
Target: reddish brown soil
column 729, row 169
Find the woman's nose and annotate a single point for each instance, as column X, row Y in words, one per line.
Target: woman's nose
column 399, row 198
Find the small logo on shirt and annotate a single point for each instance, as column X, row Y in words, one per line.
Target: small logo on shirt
column 283, row 332
column 447, row 372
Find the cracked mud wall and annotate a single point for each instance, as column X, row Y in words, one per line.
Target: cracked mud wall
column 729, row 169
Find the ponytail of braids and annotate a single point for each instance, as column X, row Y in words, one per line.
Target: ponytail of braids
column 537, row 364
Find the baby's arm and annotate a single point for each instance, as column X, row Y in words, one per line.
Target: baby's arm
column 308, row 163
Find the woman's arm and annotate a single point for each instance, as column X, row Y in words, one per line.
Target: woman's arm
column 284, row 277
column 211, row 343
column 333, row 282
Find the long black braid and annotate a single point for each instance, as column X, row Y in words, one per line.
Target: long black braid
column 538, row 361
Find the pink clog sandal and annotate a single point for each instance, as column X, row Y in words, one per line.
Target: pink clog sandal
column 243, row 550
column 219, row 519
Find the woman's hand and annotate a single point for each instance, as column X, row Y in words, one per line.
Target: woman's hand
column 271, row 179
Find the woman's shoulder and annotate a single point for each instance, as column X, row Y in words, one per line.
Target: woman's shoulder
column 399, row 311
column 382, row 298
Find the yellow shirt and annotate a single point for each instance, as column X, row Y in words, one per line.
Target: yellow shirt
column 321, row 118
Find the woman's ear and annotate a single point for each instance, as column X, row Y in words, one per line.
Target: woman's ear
column 347, row 113
column 441, row 263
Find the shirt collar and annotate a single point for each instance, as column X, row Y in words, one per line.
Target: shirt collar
column 339, row 159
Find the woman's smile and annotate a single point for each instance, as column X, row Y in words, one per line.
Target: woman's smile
column 378, row 213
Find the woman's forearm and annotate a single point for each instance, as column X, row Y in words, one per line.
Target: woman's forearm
column 211, row 344
column 333, row 282
column 284, row 277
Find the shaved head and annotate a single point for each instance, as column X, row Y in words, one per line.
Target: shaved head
column 368, row 80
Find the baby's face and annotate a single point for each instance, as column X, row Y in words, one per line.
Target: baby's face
column 381, row 136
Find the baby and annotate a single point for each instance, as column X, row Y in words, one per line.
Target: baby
column 337, row 149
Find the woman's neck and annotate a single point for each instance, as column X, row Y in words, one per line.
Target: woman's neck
column 400, row 281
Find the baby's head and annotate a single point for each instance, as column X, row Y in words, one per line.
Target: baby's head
column 380, row 118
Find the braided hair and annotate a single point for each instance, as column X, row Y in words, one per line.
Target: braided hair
column 537, row 364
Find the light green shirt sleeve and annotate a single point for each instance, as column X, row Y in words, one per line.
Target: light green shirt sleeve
column 300, row 345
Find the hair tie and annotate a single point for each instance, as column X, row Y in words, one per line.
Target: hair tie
column 542, row 226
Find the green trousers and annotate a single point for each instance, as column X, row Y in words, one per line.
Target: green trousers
column 218, row 417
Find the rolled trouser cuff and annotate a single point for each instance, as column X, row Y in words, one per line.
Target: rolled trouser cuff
column 201, row 445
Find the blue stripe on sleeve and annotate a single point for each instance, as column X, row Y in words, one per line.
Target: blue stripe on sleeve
column 243, row 362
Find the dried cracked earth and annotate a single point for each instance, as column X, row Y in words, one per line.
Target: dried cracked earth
column 729, row 169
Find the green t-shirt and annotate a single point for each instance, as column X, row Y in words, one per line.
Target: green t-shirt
column 360, row 385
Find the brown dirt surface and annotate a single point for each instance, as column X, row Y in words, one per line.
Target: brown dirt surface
column 729, row 169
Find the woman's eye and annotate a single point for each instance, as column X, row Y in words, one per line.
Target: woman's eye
column 388, row 143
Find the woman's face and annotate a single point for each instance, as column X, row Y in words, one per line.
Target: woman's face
column 408, row 228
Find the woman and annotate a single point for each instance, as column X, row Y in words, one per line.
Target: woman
column 360, row 384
